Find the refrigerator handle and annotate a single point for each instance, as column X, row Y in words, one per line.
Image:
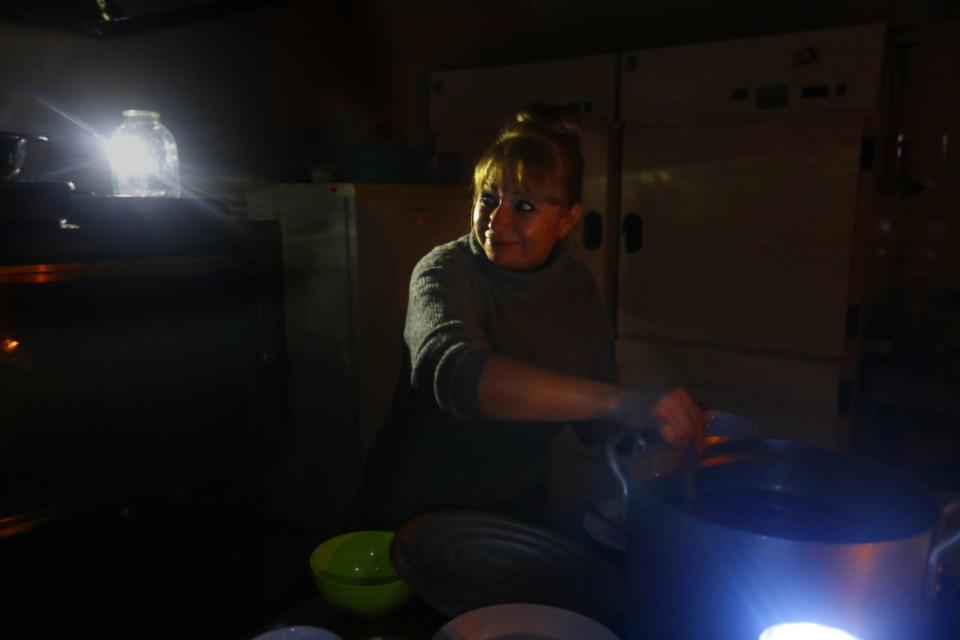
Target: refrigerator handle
column 592, row 230
column 633, row 232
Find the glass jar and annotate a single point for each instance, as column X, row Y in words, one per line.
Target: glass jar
column 143, row 157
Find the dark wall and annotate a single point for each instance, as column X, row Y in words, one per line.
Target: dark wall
column 258, row 95
column 270, row 93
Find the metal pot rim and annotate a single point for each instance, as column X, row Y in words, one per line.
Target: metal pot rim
column 923, row 517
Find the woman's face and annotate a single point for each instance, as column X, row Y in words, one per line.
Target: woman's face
column 518, row 229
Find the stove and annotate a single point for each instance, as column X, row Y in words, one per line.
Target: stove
column 20, row 192
column 142, row 402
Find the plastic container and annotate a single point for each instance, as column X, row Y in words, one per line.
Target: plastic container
column 353, row 572
column 143, row 155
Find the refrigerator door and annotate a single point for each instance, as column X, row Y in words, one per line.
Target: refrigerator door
column 740, row 234
column 310, row 485
column 349, row 250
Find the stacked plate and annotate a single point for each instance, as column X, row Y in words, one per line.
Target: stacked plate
column 523, row 622
column 463, row 561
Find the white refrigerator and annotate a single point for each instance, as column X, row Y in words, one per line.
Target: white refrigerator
column 349, row 250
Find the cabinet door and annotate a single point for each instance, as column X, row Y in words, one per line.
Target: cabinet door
column 789, row 398
column 485, row 98
column 467, row 145
column 751, row 78
column 595, row 239
column 740, row 234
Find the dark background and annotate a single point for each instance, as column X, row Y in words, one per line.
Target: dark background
column 271, row 93
column 268, row 93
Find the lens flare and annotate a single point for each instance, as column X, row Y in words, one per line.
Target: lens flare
column 130, row 155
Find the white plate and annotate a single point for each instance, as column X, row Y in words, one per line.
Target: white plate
column 299, row 632
column 523, row 622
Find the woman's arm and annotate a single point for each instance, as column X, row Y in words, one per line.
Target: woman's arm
column 509, row 389
column 450, row 353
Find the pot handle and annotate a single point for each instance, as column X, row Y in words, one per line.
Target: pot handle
column 932, row 579
column 719, row 424
column 613, row 461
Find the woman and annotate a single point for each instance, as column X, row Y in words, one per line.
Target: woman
column 507, row 341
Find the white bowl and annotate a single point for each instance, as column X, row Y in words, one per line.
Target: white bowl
column 298, row 633
column 529, row 621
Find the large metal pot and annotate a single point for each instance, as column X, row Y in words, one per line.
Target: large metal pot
column 778, row 532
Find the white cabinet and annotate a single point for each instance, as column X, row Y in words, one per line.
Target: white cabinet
column 741, row 200
column 793, row 398
column 809, row 72
column 740, row 234
column 483, row 99
column 468, row 107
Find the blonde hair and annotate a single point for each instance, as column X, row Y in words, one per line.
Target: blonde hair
column 539, row 148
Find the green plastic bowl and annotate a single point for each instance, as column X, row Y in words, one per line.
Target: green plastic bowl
column 353, row 572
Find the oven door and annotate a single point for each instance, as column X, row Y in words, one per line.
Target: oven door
column 141, row 368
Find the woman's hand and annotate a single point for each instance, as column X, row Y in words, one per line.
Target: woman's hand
column 675, row 415
column 682, row 421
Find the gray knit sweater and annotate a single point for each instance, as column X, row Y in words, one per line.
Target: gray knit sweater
column 463, row 308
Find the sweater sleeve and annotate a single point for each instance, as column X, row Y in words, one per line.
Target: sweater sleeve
column 444, row 332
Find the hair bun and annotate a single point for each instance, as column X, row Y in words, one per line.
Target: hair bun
column 563, row 120
column 541, row 144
